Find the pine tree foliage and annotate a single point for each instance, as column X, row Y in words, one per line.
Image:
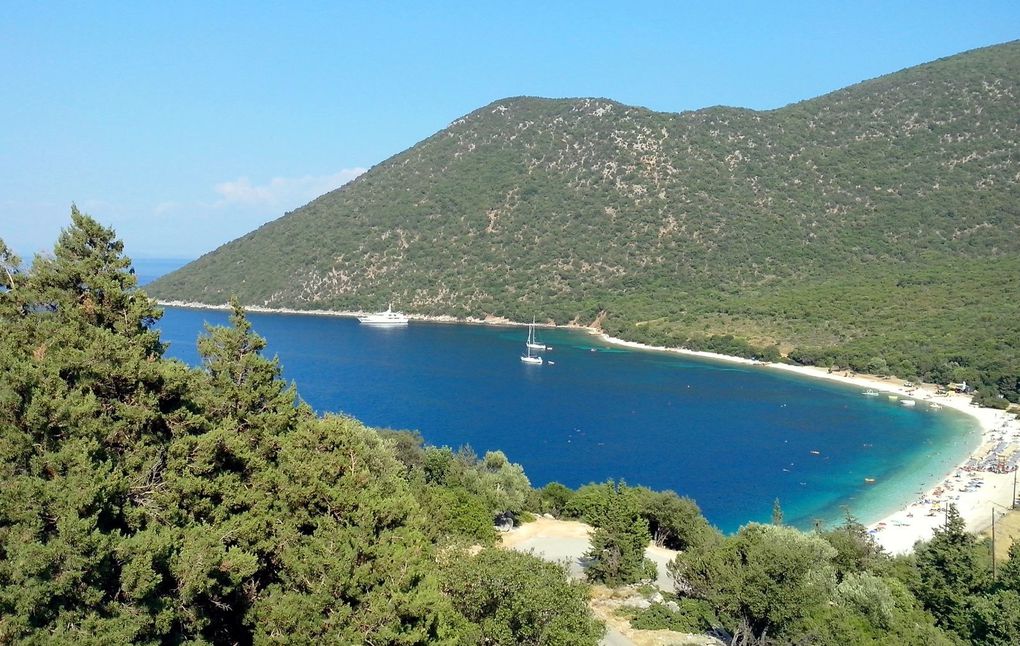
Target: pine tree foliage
column 514, row 598
column 856, row 549
column 144, row 501
column 950, row 572
column 85, row 422
column 351, row 558
column 10, row 266
column 617, row 554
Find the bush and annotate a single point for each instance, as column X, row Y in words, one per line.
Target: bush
column 554, row 499
column 590, row 503
column 693, row 616
column 513, row 598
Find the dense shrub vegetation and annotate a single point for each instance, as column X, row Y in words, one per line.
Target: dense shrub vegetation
column 144, row 501
column 769, row 584
column 874, row 229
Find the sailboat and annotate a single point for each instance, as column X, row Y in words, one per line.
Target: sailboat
column 530, row 358
column 532, row 339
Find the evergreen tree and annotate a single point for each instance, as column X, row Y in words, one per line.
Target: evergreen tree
column 10, row 266
column 856, row 549
column 1009, row 574
column 144, row 501
column 290, row 524
column 949, row 573
column 512, row 598
column 994, row 611
column 675, row 521
column 85, row 410
column 221, row 476
column 346, row 556
column 244, row 386
column 760, row 581
column 617, row 554
column 994, row 618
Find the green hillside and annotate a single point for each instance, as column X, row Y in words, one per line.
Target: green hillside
column 875, row 227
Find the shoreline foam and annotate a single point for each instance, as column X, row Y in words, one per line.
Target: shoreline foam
column 896, row 532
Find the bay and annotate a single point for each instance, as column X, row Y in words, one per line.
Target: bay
column 733, row 437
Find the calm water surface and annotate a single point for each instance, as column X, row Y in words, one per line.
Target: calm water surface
column 732, row 437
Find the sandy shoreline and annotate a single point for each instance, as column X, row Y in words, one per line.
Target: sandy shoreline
column 897, row 532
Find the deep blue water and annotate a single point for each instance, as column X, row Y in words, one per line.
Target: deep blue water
column 732, row 437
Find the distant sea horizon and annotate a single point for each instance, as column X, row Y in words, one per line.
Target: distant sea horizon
column 149, row 269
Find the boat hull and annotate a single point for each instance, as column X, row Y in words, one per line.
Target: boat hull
column 389, row 318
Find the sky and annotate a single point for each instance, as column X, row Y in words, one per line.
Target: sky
column 185, row 125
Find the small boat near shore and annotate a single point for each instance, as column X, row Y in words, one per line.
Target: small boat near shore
column 908, row 402
column 533, row 340
column 389, row 318
column 528, row 357
column 870, row 392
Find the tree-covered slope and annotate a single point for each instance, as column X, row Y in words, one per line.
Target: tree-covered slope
column 864, row 227
column 144, row 501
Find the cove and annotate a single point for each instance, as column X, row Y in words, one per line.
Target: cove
column 732, row 437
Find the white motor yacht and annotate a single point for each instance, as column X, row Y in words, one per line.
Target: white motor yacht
column 387, row 318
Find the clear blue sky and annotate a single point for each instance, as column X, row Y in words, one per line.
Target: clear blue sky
column 185, row 125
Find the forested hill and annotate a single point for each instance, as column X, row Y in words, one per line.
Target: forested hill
column 875, row 227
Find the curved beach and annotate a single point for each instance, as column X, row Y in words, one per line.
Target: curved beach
column 897, row 531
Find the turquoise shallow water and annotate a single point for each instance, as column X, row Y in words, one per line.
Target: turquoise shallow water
column 733, row 437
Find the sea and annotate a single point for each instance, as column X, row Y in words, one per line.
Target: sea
column 733, row 437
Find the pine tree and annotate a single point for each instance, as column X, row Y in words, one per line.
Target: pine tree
column 1009, row 574
column 244, row 385
column 291, row 524
column 617, row 554
column 10, row 267
column 84, row 418
column 949, row 572
column 350, row 560
column 144, row 501
column 515, row 598
column 856, row 549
